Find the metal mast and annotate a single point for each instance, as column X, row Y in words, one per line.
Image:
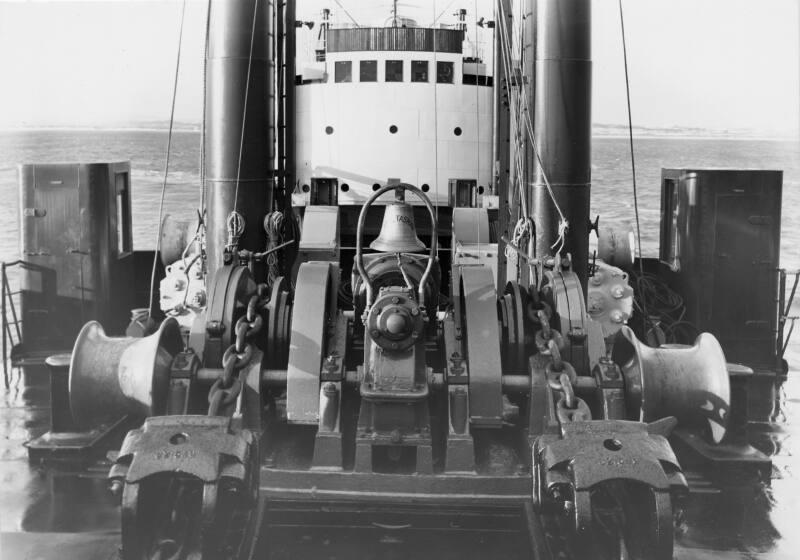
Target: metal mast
column 237, row 138
column 562, row 127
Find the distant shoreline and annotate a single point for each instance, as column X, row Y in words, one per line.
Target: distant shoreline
column 95, row 129
column 654, row 134
column 651, row 136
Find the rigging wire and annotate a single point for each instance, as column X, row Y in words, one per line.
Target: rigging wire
column 630, row 138
column 524, row 110
column 435, row 19
column 346, row 12
column 244, row 108
column 203, row 191
column 477, row 118
column 436, row 133
column 523, row 228
column 166, row 164
column 519, row 234
column 633, row 157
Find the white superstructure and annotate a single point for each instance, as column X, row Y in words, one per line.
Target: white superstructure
column 393, row 102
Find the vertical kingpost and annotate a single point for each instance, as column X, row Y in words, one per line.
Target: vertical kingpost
column 237, row 137
column 563, row 127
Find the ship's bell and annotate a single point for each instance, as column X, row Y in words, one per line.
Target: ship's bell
column 688, row 382
column 398, row 234
column 113, row 376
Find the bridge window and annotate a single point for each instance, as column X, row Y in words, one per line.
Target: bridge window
column 394, row 70
column 368, row 71
column 444, row 72
column 419, row 70
column 343, row 71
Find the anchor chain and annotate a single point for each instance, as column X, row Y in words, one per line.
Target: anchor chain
column 188, row 484
column 560, row 374
column 603, row 487
column 227, row 387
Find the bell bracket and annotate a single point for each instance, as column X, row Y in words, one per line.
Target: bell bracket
column 362, row 217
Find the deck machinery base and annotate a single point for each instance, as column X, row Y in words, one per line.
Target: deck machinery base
column 496, row 413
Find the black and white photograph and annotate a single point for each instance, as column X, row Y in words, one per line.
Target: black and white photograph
column 400, row 279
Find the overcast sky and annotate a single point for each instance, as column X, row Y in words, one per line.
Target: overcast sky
column 699, row 63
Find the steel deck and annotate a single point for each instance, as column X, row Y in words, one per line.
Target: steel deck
column 69, row 514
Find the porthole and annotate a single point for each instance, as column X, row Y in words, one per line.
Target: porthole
column 375, row 186
column 345, row 187
column 425, row 187
column 393, row 129
column 306, row 188
column 328, row 130
column 481, row 189
column 457, row 131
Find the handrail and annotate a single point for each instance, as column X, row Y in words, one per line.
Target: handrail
column 784, row 307
column 6, row 305
column 5, row 327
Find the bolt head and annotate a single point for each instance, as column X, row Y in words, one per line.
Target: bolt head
column 329, row 389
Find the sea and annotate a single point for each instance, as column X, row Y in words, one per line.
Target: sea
column 769, row 533
column 612, row 178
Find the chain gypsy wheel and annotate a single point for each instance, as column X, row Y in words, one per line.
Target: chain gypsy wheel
column 279, row 317
column 563, row 293
column 512, row 305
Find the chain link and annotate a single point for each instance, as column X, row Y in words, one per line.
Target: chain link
column 555, row 354
column 560, row 373
column 238, row 355
column 569, row 392
column 252, row 308
column 547, row 332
